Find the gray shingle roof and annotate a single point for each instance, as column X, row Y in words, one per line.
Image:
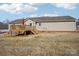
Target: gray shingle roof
column 48, row 19
column 54, row 19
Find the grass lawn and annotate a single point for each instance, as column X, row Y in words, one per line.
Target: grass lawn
column 42, row 44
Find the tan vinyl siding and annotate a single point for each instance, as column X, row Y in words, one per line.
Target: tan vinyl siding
column 57, row 26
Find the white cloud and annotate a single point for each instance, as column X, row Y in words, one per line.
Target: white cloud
column 34, row 15
column 37, row 4
column 50, row 15
column 68, row 6
column 17, row 8
column 46, row 14
column 29, row 8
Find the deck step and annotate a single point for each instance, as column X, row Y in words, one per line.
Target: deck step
column 34, row 31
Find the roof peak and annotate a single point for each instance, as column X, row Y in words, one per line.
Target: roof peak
column 49, row 17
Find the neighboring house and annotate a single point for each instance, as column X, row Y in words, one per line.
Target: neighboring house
column 60, row 23
column 77, row 24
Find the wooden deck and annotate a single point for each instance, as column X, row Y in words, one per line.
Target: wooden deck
column 20, row 29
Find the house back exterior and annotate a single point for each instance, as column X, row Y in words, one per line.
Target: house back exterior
column 60, row 23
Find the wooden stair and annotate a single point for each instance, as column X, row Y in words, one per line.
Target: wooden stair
column 34, row 31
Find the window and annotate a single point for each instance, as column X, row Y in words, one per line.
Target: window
column 39, row 24
column 36, row 23
column 30, row 24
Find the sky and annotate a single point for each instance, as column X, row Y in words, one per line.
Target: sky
column 13, row 11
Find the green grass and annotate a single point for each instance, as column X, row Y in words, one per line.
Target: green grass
column 43, row 44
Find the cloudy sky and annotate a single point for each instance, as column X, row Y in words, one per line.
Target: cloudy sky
column 12, row 11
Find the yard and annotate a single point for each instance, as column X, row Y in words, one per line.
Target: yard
column 42, row 44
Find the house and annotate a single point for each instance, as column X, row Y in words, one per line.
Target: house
column 59, row 23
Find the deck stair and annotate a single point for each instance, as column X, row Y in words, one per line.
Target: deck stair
column 19, row 29
column 34, row 31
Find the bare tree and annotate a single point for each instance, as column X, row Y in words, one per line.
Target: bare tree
column 6, row 21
